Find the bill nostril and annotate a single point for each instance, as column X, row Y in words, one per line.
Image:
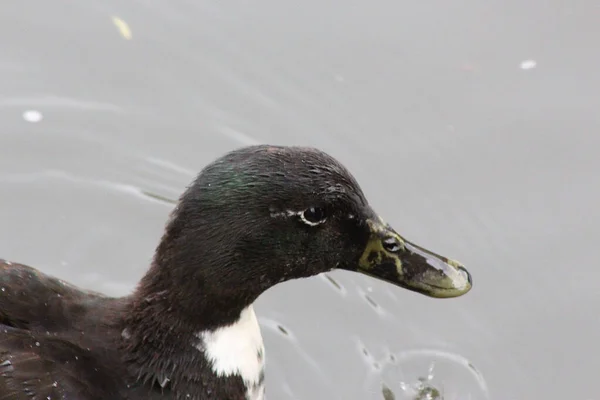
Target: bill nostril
column 392, row 244
column 466, row 273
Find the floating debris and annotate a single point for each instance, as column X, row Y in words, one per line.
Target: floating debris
column 123, row 28
column 32, row 116
column 528, row 64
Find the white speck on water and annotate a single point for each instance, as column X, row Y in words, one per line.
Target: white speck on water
column 55, row 384
column 37, row 344
column 528, row 64
column 3, row 289
column 32, row 116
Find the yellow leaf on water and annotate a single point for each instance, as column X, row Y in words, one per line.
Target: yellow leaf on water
column 122, row 27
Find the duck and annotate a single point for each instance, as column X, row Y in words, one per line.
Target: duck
column 253, row 218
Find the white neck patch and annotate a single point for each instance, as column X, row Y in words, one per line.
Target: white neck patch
column 238, row 349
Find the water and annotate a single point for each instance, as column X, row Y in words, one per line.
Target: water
column 472, row 127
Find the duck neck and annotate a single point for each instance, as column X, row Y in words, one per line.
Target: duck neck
column 171, row 319
column 192, row 303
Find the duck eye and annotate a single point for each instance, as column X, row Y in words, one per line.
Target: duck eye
column 313, row 216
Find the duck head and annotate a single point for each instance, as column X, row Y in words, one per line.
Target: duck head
column 261, row 215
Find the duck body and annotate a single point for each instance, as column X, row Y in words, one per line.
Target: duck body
column 62, row 342
column 253, row 218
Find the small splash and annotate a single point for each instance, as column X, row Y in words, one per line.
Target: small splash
column 423, row 388
column 427, row 374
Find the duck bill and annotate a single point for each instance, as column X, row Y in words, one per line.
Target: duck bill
column 391, row 258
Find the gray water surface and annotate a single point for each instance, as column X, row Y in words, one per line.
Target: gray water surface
column 472, row 127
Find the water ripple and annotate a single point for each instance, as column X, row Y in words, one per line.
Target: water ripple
column 428, row 374
column 58, row 101
column 63, row 175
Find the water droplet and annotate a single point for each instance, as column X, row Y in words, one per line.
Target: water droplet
column 164, row 382
column 387, row 393
column 283, row 330
column 371, row 301
column 334, row 282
